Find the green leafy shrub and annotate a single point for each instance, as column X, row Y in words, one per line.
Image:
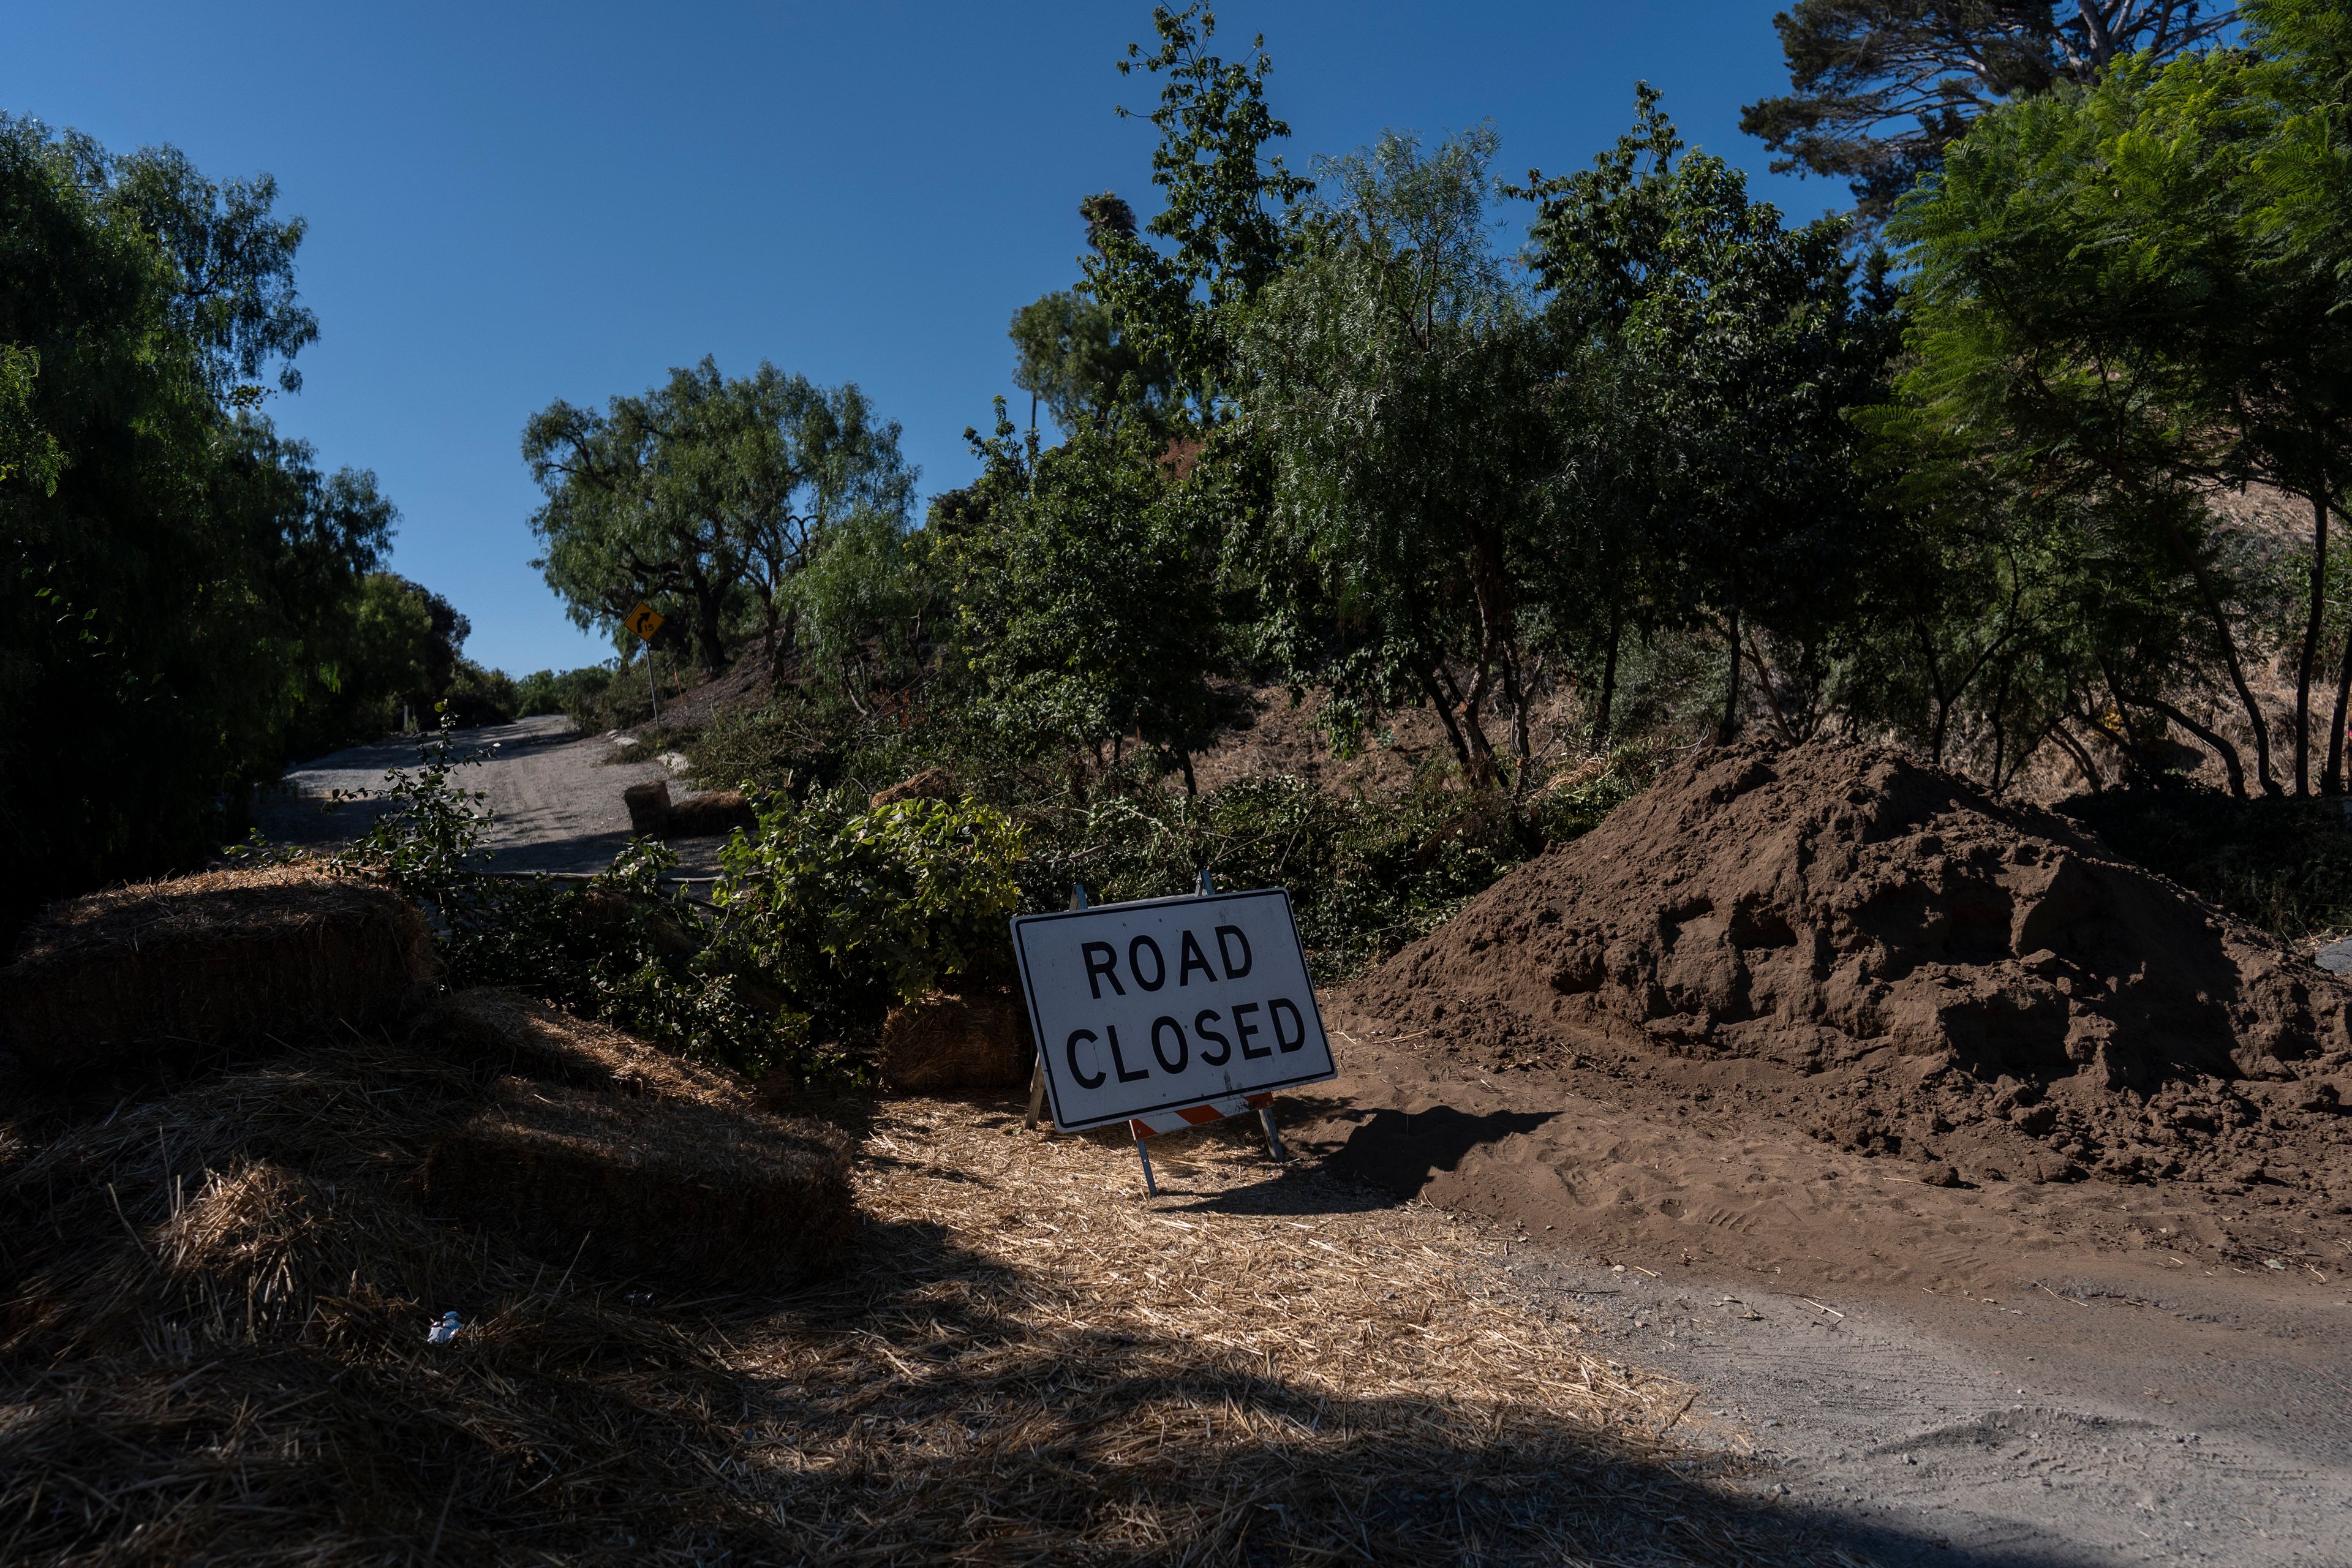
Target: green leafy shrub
column 1366, row 877
column 624, row 946
column 851, row 909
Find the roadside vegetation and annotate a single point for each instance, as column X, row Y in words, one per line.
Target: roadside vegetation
column 2034, row 463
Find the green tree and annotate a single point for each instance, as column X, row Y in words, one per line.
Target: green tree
column 706, row 495
column 1069, row 353
column 2111, row 282
column 861, row 606
column 1222, row 234
column 174, row 578
column 1392, row 374
column 1727, row 349
column 1883, row 87
column 1085, row 589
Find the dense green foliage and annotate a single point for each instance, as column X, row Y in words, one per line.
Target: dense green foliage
column 1581, row 469
column 1883, row 87
column 853, row 909
column 2125, row 298
column 1677, row 468
column 186, row 599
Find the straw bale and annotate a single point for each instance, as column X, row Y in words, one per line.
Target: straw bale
column 212, row 1307
column 504, row 1032
column 944, row 1042
column 275, row 951
column 710, row 816
column 648, row 807
column 683, row 1190
column 931, row 784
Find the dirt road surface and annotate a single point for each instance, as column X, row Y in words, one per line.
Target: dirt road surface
column 2023, row 1375
column 554, row 796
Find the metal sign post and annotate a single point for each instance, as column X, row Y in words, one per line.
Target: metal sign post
column 645, row 620
column 1168, row 1012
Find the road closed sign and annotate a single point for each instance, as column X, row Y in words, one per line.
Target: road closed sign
column 1168, row 1003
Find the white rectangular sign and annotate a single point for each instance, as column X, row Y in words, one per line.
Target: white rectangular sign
column 1167, row 1003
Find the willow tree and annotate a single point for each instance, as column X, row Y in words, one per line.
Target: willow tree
column 1393, row 374
column 705, row 496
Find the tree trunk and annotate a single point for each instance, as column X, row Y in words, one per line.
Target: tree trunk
column 2229, row 659
column 1731, row 725
column 710, row 605
column 1771, row 698
column 1937, row 734
column 1490, row 584
column 1517, row 698
column 1609, row 681
column 2333, row 783
column 1474, row 733
column 2231, row 763
column 1446, row 717
column 2311, row 630
column 2073, row 748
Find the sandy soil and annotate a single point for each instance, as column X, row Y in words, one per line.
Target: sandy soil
column 554, row 796
column 2007, row 1183
column 2026, row 1373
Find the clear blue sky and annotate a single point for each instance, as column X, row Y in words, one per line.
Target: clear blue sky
column 510, row 204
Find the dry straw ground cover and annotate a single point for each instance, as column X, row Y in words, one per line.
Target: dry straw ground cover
column 212, row 1307
column 1032, row 1363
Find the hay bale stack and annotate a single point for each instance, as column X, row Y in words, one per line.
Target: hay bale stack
column 505, row 1032
column 230, row 956
column 683, row 1190
column 948, row 1042
column 648, row 807
column 931, row 784
column 710, row 816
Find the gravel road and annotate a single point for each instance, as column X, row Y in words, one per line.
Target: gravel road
column 2026, row 1377
column 2026, row 1429
column 554, row 796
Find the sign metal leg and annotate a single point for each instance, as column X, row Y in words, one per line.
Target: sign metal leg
column 1273, row 1139
column 1151, row 1188
column 1036, row 1096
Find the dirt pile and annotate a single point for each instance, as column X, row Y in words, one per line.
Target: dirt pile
column 1878, row 952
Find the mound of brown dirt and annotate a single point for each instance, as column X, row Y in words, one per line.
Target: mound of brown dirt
column 1911, row 966
column 273, row 952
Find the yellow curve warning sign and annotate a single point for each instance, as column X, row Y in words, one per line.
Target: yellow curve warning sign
column 645, row 620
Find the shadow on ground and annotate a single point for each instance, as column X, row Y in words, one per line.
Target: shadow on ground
column 1399, row 1151
column 923, row 1410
